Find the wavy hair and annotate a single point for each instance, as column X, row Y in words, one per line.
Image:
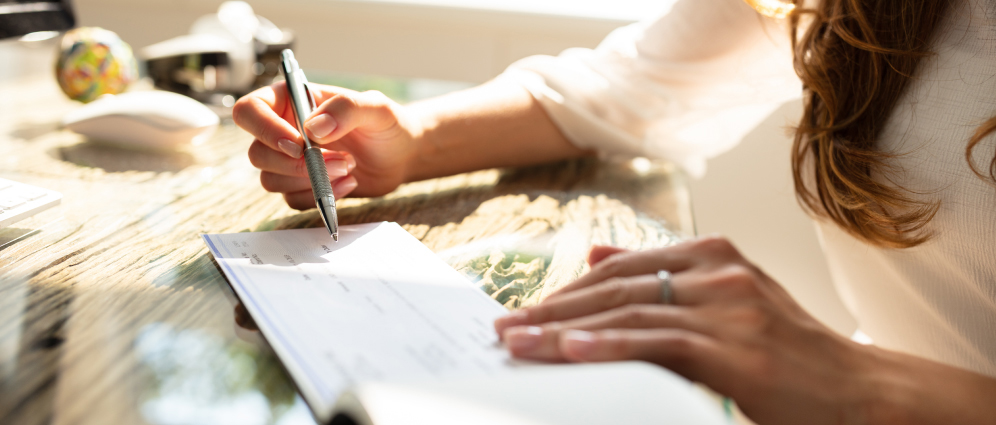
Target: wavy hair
column 855, row 59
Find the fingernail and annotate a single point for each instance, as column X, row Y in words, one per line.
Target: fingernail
column 290, row 148
column 524, row 339
column 336, row 167
column 350, row 163
column 514, row 318
column 345, row 186
column 321, row 126
column 579, row 344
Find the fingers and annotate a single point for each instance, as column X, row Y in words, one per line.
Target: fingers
column 243, row 319
column 693, row 355
column 673, row 258
column 721, row 285
column 682, row 351
column 268, row 160
column 600, row 252
column 268, row 116
column 277, row 183
column 343, row 113
column 305, row 199
column 543, row 342
column 612, row 293
column 264, row 114
column 707, row 251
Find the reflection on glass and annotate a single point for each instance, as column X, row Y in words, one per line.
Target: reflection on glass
column 202, row 378
column 547, row 244
column 511, row 269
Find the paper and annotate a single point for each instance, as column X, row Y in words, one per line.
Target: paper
column 376, row 306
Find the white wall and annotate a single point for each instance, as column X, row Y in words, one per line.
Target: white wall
column 368, row 37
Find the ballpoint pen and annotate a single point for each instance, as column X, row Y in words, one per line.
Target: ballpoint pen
column 303, row 103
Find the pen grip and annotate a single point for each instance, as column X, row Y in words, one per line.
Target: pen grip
column 318, row 173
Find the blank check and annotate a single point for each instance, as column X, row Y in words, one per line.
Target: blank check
column 377, row 305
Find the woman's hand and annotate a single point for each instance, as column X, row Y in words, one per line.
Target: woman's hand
column 371, row 140
column 729, row 326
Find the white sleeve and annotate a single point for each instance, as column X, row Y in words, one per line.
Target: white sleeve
column 685, row 86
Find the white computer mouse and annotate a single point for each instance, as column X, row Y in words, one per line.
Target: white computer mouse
column 156, row 120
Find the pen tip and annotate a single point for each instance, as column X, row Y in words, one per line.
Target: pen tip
column 335, row 237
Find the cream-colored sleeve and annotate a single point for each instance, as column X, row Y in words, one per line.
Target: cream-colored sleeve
column 685, row 86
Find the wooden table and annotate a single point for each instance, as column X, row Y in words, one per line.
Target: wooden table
column 112, row 311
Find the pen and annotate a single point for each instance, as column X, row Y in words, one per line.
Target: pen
column 303, row 103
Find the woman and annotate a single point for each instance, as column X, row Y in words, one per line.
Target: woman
column 893, row 157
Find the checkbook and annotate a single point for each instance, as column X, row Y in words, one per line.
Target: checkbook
column 376, row 329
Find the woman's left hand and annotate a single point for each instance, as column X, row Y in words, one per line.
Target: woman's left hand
column 729, row 326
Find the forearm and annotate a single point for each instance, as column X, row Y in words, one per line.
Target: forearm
column 912, row 390
column 498, row 124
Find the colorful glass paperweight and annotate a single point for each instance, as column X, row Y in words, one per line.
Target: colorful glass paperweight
column 93, row 62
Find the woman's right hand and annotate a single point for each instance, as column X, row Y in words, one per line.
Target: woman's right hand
column 369, row 141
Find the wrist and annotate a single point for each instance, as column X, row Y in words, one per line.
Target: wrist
column 879, row 387
column 914, row 390
column 421, row 123
column 867, row 385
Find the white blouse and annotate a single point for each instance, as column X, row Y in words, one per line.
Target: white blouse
column 691, row 83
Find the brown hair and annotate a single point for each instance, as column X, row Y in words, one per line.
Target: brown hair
column 855, row 60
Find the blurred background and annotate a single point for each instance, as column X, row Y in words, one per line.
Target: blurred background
column 466, row 41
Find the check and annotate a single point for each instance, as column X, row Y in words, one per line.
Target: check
column 375, row 306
